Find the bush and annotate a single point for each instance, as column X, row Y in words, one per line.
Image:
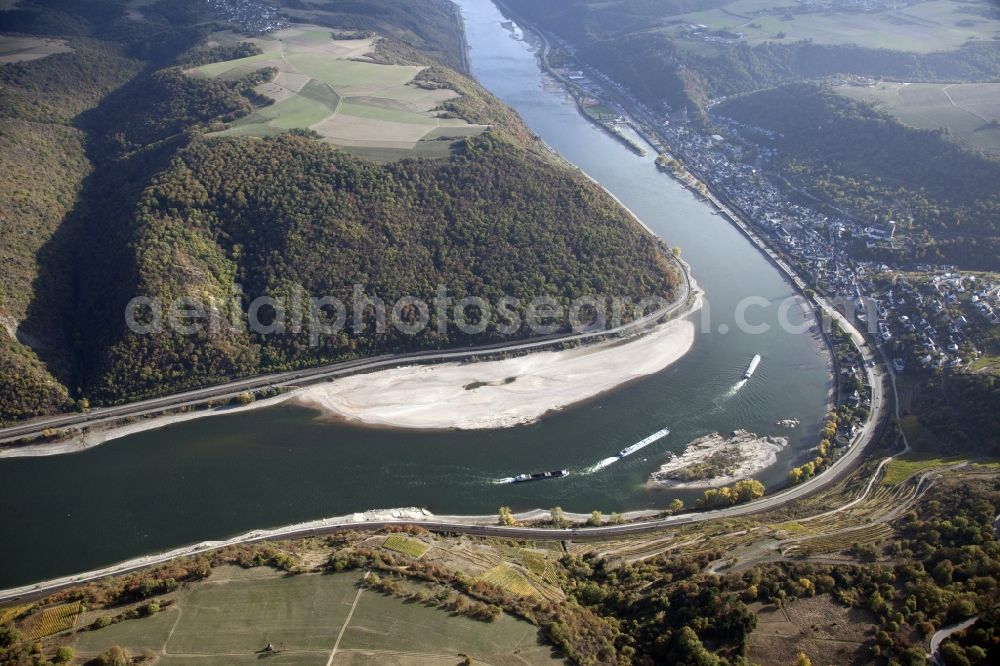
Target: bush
column 64, row 655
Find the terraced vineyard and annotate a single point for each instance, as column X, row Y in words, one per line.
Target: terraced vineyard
column 405, row 545
column 864, row 523
column 538, row 562
column 509, row 578
column 742, row 540
column 839, row 541
column 50, row 620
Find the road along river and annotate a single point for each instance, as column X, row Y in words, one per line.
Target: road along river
column 222, row 476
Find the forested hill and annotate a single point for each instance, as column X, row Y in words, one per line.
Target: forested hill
column 285, row 212
column 866, row 161
column 111, row 187
column 679, row 76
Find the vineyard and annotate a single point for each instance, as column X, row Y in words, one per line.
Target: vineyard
column 539, row 563
column 508, row 578
column 864, row 523
column 405, row 545
column 50, row 620
column 839, row 541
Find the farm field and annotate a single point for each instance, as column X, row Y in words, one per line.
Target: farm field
column 382, row 625
column 326, row 85
column 234, row 615
column 22, row 49
column 966, row 109
column 935, row 25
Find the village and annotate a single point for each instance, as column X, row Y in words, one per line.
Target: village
column 252, row 17
column 924, row 316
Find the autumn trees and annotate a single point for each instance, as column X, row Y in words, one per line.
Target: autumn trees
column 275, row 215
column 738, row 493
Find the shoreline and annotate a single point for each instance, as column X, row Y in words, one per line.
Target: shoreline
column 92, row 438
column 497, row 394
column 524, row 410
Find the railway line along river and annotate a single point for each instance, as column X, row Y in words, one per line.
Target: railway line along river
column 216, row 477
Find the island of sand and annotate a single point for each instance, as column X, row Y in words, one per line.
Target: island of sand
column 715, row 460
column 498, row 394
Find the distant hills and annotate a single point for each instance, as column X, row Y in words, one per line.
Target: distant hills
column 686, row 52
column 771, row 65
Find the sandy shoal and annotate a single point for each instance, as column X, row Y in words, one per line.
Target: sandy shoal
column 481, row 395
column 436, row 397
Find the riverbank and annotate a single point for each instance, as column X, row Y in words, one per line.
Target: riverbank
column 97, row 436
column 498, row 394
column 715, row 460
column 457, row 395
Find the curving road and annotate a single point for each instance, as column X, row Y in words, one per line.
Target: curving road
column 483, row 525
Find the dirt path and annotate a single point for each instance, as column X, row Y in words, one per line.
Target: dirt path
column 357, row 598
column 959, row 106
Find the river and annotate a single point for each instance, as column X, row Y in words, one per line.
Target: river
column 216, row 477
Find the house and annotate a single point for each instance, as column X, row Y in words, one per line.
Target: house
column 882, row 232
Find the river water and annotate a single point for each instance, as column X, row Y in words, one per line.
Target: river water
column 217, row 477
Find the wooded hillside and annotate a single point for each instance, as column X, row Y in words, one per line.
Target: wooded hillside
column 113, row 190
column 866, row 161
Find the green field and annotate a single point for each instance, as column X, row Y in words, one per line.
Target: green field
column 966, row 109
column 314, row 103
column 903, row 467
column 325, row 85
column 21, row 49
column 935, row 25
column 234, row 615
column 383, row 625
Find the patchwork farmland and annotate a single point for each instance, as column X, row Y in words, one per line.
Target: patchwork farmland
column 970, row 111
column 922, row 27
column 332, row 87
